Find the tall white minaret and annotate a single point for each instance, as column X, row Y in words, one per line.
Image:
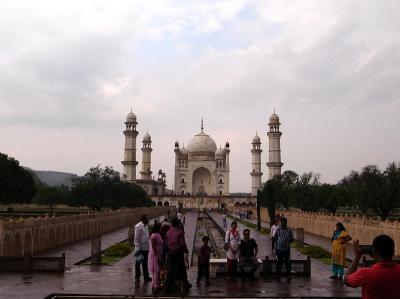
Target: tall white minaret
column 130, row 162
column 227, row 150
column 274, row 135
column 146, row 157
column 256, row 164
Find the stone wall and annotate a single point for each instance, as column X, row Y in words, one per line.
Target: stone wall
column 33, row 235
column 359, row 227
column 202, row 202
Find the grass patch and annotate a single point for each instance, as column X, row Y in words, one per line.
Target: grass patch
column 315, row 252
column 110, row 260
column 118, row 250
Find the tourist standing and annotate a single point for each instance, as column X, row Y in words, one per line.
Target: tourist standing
column 382, row 279
column 232, row 242
column 340, row 237
column 141, row 242
column 272, row 234
column 176, row 247
column 248, row 255
column 283, row 237
column 155, row 255
column 203, row 262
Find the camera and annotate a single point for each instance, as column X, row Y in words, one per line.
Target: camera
column 366, row 249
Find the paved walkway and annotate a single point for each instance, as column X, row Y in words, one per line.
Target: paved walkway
column 190, row 230
column 85, row 279
column 317, row 285
column 118, row 279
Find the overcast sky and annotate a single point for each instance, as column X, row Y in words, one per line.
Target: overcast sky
column 70, row 71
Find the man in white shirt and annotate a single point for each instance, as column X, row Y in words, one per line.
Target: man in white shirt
column 141, row 242
column 272, row 233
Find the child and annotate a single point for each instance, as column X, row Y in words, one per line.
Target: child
column 204, row 261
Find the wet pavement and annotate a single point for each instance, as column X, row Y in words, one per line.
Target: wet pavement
column 118, row 279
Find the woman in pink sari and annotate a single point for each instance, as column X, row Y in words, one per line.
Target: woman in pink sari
column 155, row 255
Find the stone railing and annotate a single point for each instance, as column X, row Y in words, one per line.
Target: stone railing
column 33, row 235
column 322, row 224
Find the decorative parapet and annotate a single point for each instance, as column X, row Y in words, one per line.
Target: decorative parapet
column 32, row 235
column 323, row 224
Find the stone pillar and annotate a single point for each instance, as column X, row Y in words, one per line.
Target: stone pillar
column 96, row 250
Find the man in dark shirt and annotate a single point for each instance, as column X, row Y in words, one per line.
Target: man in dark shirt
column 283, row 237
column 203, row 264
column 248, row 255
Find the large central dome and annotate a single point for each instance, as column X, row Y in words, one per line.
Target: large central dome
column 202, row 143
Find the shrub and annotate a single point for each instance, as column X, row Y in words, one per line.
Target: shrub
column 120, row 249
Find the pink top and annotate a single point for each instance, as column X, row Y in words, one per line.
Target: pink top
column 175, row 239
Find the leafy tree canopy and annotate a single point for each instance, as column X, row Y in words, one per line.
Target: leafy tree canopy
column 16, row 183
column 103, row 187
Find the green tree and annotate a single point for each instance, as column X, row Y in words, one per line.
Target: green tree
column 390, row 197
column 16, row 183
column 304, row 192
column 329, row 197
column 51, row 196
column 102, row 187
column 373, row 190
column 271, row 195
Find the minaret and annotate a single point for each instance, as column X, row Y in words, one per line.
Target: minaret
column 274, row 135
column 130, row 162
column 227, row 168
column 146, row 158
column 256, row 164
column 177, row 153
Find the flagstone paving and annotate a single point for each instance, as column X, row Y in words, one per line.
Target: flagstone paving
column 118, row 279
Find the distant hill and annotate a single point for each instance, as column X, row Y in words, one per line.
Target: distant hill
column 53, row 178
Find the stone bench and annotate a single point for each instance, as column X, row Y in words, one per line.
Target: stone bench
column 218, row 266
column 298, row 267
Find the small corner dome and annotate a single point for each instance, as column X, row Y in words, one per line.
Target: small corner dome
column 147, row 137
column 184, row 151
column 256, row 139
column 274, row 119
column 131, row 117
column 220, row 152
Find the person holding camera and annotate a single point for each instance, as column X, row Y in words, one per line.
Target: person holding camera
column 382, row 280
column 340, row 237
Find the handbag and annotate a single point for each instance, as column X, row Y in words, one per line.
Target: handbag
column 228, row 244
column 139, row 258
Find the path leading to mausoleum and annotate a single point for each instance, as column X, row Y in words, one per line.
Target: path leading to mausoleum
column 317, row 285
column 119, row 279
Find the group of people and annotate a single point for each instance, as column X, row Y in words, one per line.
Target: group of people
column 379, row 281
column 162, row 252
column 243, row 251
